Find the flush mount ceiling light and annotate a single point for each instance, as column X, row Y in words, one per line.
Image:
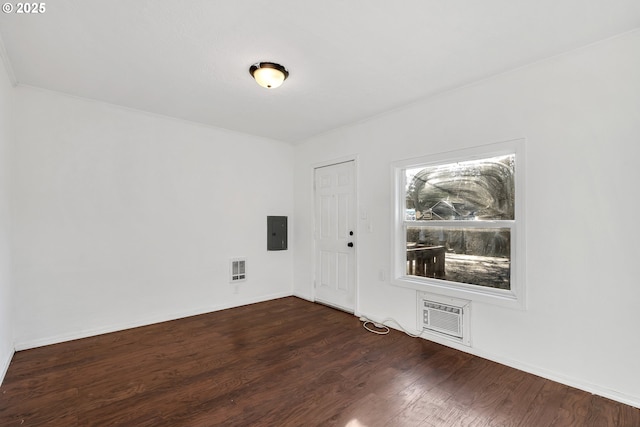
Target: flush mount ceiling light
column 269, row 74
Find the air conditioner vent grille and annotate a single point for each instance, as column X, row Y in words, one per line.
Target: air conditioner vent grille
column 443, row 318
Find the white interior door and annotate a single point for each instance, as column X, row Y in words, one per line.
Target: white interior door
column 335, row 268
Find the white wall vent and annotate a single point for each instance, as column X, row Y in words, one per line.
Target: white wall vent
column 445, row 316
column 238, row 270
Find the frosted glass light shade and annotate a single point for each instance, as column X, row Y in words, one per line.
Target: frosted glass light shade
column 268, row 74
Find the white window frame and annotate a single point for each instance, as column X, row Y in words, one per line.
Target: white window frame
column 514, row 297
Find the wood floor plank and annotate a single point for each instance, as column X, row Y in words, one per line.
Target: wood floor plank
column 519, row 392
column 286, row 362
column 421, row 404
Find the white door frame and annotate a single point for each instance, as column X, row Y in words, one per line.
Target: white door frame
column 345, row 159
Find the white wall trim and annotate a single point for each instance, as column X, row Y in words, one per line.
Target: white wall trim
column 566, row 380
column 306, row 297
column 40, row 342
column 4, row 366
column 525, row 367
column 535, row 370
column 560, row 378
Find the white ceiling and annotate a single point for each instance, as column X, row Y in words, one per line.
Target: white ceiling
column 348, row 59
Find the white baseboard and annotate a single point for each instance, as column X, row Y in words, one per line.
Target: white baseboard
column 303, row 296
column 531, row 369
column 56, row 339
column 541, row 372
column 563, row 379
column 4, row 365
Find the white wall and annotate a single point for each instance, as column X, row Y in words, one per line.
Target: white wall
column 580, row 115
column 6, row 318
column 124, row 218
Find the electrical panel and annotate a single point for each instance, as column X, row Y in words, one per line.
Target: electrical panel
column 276, row 233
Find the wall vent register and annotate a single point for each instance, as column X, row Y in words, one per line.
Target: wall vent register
column 238, row 270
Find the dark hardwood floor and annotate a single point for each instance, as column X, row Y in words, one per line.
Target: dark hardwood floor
column 285, row 362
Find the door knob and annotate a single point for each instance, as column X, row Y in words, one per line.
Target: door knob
column 350, row 244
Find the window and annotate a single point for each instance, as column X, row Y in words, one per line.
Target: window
column 458, row 225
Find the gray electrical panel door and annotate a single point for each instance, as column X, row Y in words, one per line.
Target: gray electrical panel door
column 276, row 233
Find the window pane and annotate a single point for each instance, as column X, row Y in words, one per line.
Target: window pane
column 477, row 189
column 478, row 256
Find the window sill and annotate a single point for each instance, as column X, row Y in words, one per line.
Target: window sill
column 500, row 297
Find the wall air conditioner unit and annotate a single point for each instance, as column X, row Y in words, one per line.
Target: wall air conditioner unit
column 447, row 317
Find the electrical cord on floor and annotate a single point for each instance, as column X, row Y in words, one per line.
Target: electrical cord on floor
column 381, row 328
